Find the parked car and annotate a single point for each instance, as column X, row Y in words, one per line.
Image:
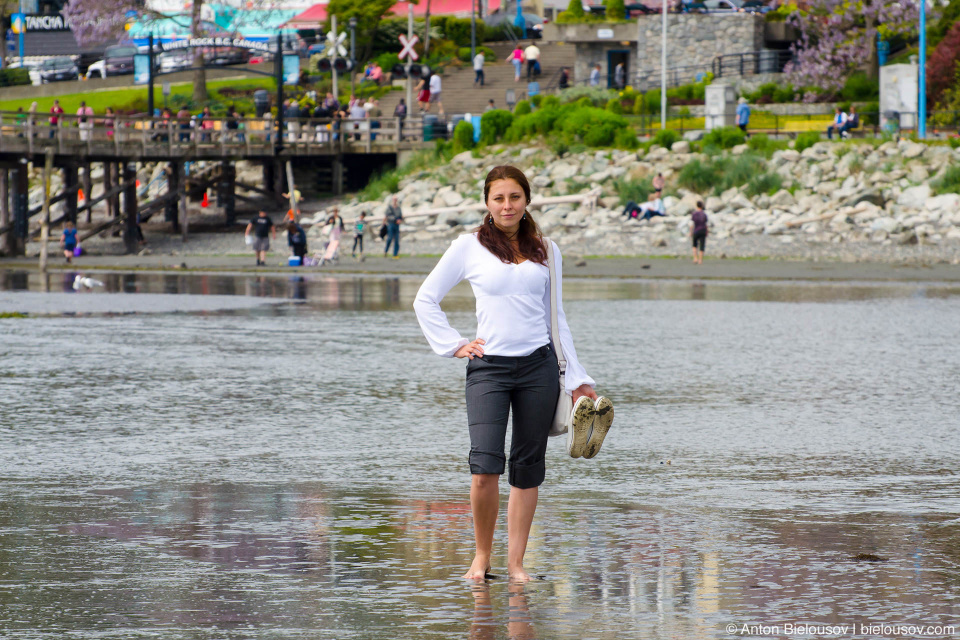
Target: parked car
column 316, row 49
column 118, row 60
column 96, row 70
column 226, row 55
column 735, row 6
column 175, row 60
column 58, row 70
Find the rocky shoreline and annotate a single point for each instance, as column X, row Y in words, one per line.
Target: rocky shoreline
column 851, row 203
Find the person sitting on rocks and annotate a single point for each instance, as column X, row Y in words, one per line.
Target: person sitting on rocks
column 645, row 211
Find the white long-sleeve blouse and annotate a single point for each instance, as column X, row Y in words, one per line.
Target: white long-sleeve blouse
column 513, row 305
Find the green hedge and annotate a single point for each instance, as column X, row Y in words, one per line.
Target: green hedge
column 462, row 136
column 493, row 124
column 574, row 123
column 464, row 54
column 13, row 77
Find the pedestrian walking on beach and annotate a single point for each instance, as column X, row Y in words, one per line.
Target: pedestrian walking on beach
column 516, row 58
column 743, row 115
column 68, row 240
column 478, row 61
column 297, row 240
column 392, row 220
column 532, row 55
column 512, row 365
column 358, row 229
column 261, row 227
column 698, row 231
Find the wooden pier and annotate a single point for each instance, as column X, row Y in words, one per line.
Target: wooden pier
column 118, row 143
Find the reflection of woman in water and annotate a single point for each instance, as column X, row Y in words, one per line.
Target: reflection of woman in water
column 512, row 365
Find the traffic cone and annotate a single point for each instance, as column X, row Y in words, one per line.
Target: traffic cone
column 80, row 196
column 138, row 184
column 206, row 200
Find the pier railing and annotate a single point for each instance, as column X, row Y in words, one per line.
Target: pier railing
column 125, row 135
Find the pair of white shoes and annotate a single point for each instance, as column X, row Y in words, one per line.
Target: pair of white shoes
column 590, row 424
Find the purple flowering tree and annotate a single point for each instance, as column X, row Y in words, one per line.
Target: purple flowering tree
column 838, row 37
column 95, row 21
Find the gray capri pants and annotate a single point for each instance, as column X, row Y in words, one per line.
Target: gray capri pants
column 531, row 385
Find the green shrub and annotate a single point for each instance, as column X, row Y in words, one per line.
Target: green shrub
column 626, row 139
column 719, row 174
column 381, row 184
column 698, row 176
column 493, row 124
column 768, row 183
column 954, row 142
column 949, row 182
column 594, row 127
column 458, row 29
column 498, row 32
column 575, row 8
column 550, row 102
column 522, row 108
column 614, row 106
column 759, row 142
column 859, row 87
column 596, row 97
column 462, row 136
column 724, row 137
column 615, row 12
column 632, row 190
column 464, row 53
column 13, row 77
column 806, row 139
column 536, row 100
column 871, row 114
column 559, row 145
column 666, row 137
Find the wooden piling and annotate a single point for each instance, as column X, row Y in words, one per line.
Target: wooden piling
column 182, row 188
column 45, row 212
column 107, row 186
column 71, row 179
column 130, row 241
column 171, row 207
column 5, row 220
column 87, row 183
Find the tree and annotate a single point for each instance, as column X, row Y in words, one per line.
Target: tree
column 7, row 7
column 368, row 15
column 943, row 65
column 95, row 21
column 838, row 37
column 615, row 12
column 575, row 8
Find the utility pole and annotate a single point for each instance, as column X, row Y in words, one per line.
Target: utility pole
column 663, row 65
column 150, row 82
column 473, row 30
column 922, row 74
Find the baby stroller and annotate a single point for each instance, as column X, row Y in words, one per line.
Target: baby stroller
column 331, row 252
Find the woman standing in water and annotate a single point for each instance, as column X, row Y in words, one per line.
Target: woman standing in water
column 511, row 362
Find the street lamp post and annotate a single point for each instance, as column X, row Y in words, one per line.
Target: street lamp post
column 473, row 30
column 922, row 74
column 353, row 51
column 663, row 65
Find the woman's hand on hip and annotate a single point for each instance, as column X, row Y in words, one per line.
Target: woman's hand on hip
column 471, row 350
column 584, row 390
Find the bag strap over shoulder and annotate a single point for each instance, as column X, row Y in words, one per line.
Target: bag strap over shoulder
column 554, row 323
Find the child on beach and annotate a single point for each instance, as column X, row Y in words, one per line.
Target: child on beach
column 68, row 240
column 358, row 228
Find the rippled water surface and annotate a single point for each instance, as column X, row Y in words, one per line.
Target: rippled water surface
column 294, row 466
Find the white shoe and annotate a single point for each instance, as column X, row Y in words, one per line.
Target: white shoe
column 603, row 409
column 582, row 423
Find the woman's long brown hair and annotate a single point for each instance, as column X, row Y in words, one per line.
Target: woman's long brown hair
column 530, row 239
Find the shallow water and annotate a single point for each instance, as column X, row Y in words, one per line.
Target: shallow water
column 297, row 469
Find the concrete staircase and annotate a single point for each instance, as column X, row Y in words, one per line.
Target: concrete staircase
column 460, row 96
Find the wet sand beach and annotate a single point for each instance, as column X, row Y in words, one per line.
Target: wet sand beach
column 292, row 464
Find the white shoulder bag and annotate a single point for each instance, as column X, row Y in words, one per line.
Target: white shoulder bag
column 564, row 413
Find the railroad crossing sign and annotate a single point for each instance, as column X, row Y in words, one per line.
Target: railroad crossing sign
column 335, row 44
column 408, row 47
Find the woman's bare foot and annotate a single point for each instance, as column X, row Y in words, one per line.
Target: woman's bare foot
column 518, row 575
column 478, row 570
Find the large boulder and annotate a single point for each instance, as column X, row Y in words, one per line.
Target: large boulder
column 914, row 197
